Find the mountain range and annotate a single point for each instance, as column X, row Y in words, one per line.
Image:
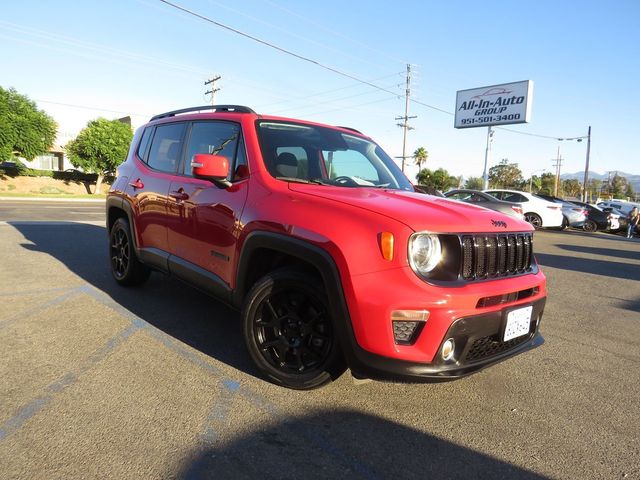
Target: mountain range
column 633, row 179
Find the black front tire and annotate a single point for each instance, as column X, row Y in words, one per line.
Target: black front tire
column 289, row 332
column 126, row 268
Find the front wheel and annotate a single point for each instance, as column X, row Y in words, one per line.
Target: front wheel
column 590, row 226
column 534, row 219
column 289, row 331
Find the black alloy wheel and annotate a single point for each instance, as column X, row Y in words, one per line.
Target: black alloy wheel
column 125, row 266
column 289, row 331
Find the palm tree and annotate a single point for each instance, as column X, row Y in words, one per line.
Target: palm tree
column 420, row 156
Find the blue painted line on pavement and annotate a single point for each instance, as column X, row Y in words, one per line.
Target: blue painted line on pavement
column 40, row 307
column 34, row 406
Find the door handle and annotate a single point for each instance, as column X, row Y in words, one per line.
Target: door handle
column 179, row 195
column 137, row 184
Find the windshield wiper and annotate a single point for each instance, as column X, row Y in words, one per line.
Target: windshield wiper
column 314, row 181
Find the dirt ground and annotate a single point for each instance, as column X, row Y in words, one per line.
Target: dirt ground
column 46, row 186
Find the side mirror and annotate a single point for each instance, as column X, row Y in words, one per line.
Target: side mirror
column 211, row 167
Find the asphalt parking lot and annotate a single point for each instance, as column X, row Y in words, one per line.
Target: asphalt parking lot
column 98, row 381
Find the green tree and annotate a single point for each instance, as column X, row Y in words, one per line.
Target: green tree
column 505, row 175
column 534, row 184
column 571, row 187
column 630, row 192
column 619, row 186
column 473, row 183
column 438, row 179
column 24, row 130
column 420, row 156
column 547, row 183
column 100, row 147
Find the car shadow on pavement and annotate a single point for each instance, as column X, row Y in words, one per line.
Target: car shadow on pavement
column 341, row 444
column 164, row 302
column 608, row 252
column 628, row 271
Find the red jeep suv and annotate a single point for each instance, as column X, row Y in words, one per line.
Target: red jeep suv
column 317, row 237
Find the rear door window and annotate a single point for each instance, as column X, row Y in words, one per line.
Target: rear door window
column 166, row 147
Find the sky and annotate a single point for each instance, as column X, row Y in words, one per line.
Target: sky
column 80, row 60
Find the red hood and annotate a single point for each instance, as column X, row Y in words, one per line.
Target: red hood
column 419, row 211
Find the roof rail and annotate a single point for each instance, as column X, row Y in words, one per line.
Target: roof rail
column 350, row 128
column 217, row 108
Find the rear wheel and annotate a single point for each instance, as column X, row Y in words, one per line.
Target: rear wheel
column 590, row 226
column 125, row 266
column 534, row 219
column 289, row 331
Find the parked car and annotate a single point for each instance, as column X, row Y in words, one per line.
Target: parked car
column 619, row 216
column 482, row 199
column 537, row 211
column 316, row 236
column 621, row 205
column 597, row 219
column 574, row 215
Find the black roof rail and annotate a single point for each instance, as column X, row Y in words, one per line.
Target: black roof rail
column 352, row 129
column 217, row 108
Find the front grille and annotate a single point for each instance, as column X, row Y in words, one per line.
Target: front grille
column 495, row 255
column 489, row 346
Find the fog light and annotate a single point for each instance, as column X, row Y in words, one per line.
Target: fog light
column 448, row 349
column 407, row 325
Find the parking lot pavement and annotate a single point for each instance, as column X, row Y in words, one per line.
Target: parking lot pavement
column 98, row 381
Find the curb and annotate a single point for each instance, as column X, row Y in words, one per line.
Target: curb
column 54, row 199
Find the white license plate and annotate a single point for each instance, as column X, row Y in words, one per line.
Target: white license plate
column 518, row 323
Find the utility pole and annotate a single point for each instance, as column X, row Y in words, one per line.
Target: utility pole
column 586, row 168
column 558, row 164
column 405, row 125
column 213, row 90
column 487, row 157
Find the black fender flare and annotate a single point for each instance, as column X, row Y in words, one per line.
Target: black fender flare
column 317, row 257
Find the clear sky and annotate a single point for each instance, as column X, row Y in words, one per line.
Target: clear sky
column 142, row 57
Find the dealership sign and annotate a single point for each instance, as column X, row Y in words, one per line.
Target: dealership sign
column 494, row 105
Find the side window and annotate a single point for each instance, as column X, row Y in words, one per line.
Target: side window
column 498, row 195
column 514, row 197
column 144, row 143
column 475, row 198
column 213, row 138
column 166, row 147
column 350, row 163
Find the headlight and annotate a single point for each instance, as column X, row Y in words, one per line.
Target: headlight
column 425, row 252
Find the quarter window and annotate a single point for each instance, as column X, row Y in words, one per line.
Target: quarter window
column 144, row 143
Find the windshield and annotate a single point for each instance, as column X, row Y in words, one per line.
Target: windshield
column 326, row 156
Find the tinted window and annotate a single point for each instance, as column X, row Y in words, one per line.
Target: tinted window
column 498, row 195
column 144, row 143
column 514, row 197
column 166, row 147
column 213, row 138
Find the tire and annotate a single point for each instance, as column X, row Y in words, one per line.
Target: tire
column 289, row 332
column 126, row 269
column 534, row 219
column 590, row 226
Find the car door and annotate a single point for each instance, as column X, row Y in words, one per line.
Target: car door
column 204, row 219
column 149, row 187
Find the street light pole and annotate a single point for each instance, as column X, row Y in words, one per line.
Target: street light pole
column 586, row 168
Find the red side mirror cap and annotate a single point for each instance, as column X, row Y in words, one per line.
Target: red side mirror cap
column 213, row 167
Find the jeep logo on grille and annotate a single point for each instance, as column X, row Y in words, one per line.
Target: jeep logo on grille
column 499, row 223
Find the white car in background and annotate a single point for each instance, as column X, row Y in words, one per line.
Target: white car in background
column 537, row 211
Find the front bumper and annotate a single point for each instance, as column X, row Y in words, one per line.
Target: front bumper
column 478, row 345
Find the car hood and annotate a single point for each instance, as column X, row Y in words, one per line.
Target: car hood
column 418, row 211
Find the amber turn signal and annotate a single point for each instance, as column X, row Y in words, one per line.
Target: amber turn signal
column 386, row 245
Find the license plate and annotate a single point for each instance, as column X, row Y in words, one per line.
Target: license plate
column 518, row 323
